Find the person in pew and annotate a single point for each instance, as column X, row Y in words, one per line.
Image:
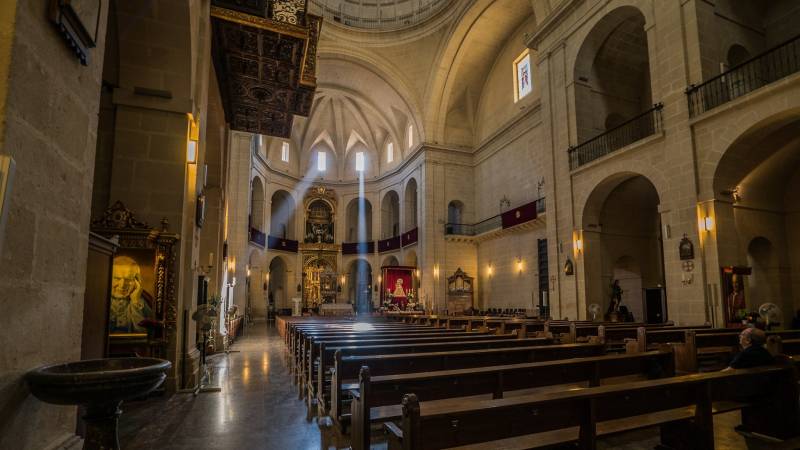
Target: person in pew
column 753, row 353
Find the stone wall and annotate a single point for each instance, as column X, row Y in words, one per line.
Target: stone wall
column 51, row 126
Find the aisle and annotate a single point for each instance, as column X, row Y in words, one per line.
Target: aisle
column 258, row 407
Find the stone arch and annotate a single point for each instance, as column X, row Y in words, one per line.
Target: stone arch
column 358, row 220
column 612, row 71
column 278, row 292
column 616, row 244
column 390, row 260
column 463, row 66
column 282, row 215
column 257, row 204
column 411, row 210
column 390, row 215
column 359, row 287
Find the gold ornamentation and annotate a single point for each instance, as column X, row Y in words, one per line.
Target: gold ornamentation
column 288, row 11
column 259, row 22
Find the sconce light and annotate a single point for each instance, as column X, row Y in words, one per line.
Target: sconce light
column 191, row 152
column 577, row 242
column 248, row 270
column 191, row 145
column 417, row 273
column 344, row 279
column 489, row 270
column 706, row 224
column 436, row 271
column 520, row 265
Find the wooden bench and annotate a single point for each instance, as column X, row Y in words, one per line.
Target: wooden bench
column 321, row 361
column 378, row 399
column 683, row 406
column 311, row 349
column 323, row 395
column 302, row 341
column 700, row 351
column 345, row 374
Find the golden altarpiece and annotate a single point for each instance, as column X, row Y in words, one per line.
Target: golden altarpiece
column 318, row 250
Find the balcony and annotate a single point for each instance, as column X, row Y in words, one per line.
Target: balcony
column 410, row 237
column 282, row 244
column 258, row 237
column 759, row 71
column 524, row 216
column 358, row 248
column 645, row 124
column 388, row 245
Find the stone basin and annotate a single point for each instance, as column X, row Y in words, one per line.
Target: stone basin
column 100, row 385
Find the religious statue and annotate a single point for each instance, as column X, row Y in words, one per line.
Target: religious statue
column 398, row 289
column 616, row 298
column 130, row 303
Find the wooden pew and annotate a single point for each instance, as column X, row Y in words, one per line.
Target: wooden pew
column 378, row 399
column 701, row 351
column 305, row 343
column 301, row 343
column 346, row 368
column 499, row 342
column 683, row 406
column 321, row 359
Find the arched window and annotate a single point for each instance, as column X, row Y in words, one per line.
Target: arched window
column 322, row 161
column 255, row 144
column 360, row 162
column 285, row 152
column 389, row 152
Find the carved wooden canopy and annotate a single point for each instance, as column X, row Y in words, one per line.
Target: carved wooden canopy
column 264, row 54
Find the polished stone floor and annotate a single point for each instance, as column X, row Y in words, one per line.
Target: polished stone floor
column 258, row 408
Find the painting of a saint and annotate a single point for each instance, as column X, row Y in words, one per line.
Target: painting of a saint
column 131, row 304
column 735, row 301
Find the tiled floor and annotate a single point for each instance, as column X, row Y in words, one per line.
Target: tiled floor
column 258, row 408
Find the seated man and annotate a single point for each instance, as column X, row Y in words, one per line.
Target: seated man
column 753, row 353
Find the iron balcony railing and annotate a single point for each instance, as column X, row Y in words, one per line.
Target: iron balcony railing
column 645, row 124
column 772, row 65
column 462, row 229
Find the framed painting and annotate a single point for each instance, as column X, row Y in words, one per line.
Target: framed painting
column 79, row 24
column 141, row 313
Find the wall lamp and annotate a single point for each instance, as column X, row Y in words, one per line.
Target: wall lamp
column 706, row 223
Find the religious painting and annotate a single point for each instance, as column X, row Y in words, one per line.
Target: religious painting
column 132, row 307
column 733, row 294
column 524, row 80
column 142, row 314
column 398, row 286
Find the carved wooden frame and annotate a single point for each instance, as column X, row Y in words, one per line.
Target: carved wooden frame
column 118, row 221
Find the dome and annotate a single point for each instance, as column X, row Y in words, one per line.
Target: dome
column 378, row 15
